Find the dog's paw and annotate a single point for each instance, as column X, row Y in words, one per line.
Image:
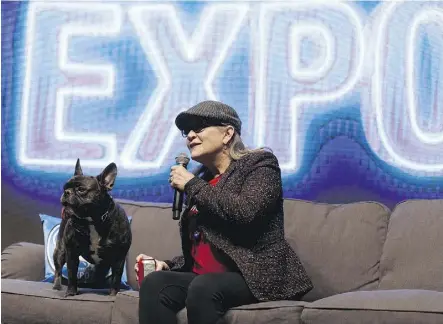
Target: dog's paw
column 57, row 284
column 70, row 292
column 113, row 292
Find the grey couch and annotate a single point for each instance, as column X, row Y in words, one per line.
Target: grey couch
column 368, row 265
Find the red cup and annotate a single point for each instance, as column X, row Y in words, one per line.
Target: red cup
column 145, row 267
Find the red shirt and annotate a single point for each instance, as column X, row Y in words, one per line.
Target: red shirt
column 201, row 250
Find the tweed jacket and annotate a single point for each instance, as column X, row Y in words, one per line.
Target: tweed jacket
column 243, row 217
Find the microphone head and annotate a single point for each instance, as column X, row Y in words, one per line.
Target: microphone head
column 182, row 159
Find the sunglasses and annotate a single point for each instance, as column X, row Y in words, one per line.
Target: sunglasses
column 198, row 128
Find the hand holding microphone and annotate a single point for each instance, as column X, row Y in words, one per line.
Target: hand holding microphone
column 178, row 178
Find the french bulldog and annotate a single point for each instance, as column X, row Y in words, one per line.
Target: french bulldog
column 93, row 226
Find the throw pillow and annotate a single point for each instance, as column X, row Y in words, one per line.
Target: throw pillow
column 85, row 272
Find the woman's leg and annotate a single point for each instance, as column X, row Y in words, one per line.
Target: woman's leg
column 162, row 296
column 211, row 295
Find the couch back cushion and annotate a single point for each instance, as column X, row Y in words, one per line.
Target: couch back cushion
column 154, row 233
column 339, row 245
column 413, row 253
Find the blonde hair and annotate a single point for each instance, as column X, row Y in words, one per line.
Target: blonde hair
column 237, row 148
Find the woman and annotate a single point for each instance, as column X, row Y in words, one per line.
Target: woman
column 234, row 250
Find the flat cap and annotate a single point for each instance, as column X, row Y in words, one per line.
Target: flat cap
column 210, row 111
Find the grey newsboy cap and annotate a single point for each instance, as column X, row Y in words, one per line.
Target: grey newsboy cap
column 209, row 111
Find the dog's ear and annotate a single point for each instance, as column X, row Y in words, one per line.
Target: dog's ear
column 78, row 169
column 107, row 177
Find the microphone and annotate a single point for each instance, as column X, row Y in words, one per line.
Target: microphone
column 183, row 160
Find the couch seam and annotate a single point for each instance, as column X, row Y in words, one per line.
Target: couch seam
column 75, row 300
column 143, row 204
column 385, row 237
column 265, row 308
column 112, row 311
column 127, row 295
column 373, row 310
column 340, row 204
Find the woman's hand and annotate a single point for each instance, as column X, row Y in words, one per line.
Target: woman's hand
column 179, row 177
column 160, row 265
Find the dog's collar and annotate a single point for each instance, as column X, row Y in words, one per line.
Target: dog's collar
column 89, row 220
column 104, row 216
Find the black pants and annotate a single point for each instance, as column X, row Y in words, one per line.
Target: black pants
column 206, row 297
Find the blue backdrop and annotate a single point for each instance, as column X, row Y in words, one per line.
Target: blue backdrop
column 348, row 95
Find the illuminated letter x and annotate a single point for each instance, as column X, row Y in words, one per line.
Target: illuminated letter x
column 185, row 68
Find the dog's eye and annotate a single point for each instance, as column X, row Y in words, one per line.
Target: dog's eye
column 82, row 190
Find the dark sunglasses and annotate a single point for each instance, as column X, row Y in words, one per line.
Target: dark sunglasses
column 198, row 128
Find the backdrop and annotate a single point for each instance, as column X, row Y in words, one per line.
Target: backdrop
column 348, row 95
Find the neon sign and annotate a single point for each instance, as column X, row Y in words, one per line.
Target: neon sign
column 305, row 60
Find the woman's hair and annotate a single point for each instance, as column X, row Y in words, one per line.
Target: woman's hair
column 236, row 150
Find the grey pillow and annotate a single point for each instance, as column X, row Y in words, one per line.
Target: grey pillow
column 413, row 253
column 339, row 245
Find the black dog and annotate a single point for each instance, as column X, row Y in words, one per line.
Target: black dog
column 93, row 226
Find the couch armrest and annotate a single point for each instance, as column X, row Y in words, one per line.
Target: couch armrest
column 24, row 261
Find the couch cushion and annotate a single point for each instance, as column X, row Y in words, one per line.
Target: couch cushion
column 125, row 308
column 126, row 311
column 37, row 303
column 154, row 233
column 339, row 245
column 278, row 312
column 24, row 261
column 383, row 306
column 413, row 253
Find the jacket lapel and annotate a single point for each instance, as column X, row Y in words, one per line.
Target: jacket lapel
column 224, row 177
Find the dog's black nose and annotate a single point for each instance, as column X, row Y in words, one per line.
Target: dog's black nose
column 68, row 192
